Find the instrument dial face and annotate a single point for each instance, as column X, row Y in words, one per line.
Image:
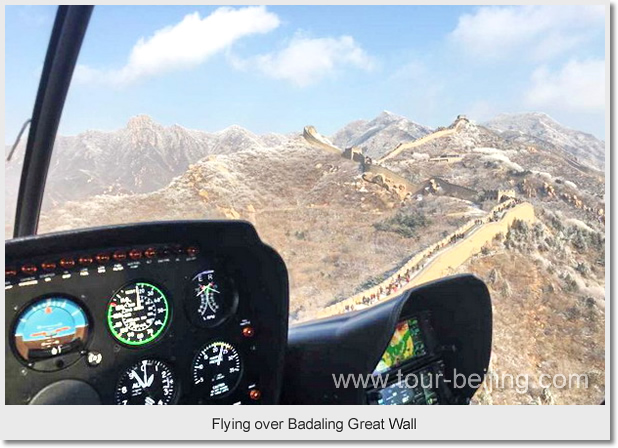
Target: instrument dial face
column 212, row 299
column 148, row 382
column 50, row 327
column 138, row 313
column 217, row 368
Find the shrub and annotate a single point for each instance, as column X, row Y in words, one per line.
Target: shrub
column 404, row 224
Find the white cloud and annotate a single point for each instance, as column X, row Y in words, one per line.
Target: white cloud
column 305, row 61
column 540, row 32
column 576, row 87
column 186, row 44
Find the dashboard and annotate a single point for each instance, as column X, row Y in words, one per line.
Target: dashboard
column 154, row 314
column 412, row 350
column 197, row 313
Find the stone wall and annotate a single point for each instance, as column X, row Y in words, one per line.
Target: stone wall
column 450, row 252
column 314, row 138
column 393, row 181
column 418, row 142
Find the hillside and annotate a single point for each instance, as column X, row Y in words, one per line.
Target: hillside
column 535, row 127
column 303, row 201
column 144, row 156
column 346, row 222
column 380, row 135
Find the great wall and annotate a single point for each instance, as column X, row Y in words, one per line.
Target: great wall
column 316, row 139
column 441, row 258
column 376, row 172
column 444, row 256
column 421, row 141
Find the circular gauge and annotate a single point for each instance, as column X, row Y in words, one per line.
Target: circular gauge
column 149, row 382
column 49, row 328
column 212, row 299
column 217, row 367
column 138, row 313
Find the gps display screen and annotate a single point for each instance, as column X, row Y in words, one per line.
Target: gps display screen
column 403, row 393
column 406, row 343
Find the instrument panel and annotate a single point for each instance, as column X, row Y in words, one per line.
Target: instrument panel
column 426, row 336
column 177, row 313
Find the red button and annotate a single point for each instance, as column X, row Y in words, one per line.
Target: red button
column 255, row 394
column 192, row 251
column 67, row 263
column 29, row 269
column 135, row 254
column 248, row 332
column 85, row 260
column 102, row 258
column 150, row 252
column 120, row 255
column 48, row 265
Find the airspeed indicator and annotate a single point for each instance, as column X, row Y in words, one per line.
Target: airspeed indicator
column 138, row 313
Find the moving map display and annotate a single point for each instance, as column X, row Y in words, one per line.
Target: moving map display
column 406, row 343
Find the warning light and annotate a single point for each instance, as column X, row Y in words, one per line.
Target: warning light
column 150, row 252
column 255, row 394
column 48, row 265
column 85, row 260
column 192, row 251
column 67, row 263
column 102, row 258
column 248, row 332
column 29, row 269
column 135, row 254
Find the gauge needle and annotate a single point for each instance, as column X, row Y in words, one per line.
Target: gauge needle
column 139, row 380
column 146, row 382
column 206, row 288
column 220, row 357
column 139, row 300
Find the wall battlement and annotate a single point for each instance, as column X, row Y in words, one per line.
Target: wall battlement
column 316, row 139
column 461, row 119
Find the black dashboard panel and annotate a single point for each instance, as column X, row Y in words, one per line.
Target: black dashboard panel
column 150, row 273
column 455, row 318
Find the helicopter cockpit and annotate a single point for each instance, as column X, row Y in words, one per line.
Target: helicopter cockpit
column 197, row 312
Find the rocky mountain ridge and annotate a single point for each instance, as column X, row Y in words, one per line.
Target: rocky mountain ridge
column 537, row 126
column 378, row 136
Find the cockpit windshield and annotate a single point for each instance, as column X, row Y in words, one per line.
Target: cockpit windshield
column 375, row 148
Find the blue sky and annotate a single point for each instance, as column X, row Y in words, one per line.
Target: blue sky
column 277, row 69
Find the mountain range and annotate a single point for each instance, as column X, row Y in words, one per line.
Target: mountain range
column 539, row 127
column 376, row 137
column 344, row 223
column 145, row 156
